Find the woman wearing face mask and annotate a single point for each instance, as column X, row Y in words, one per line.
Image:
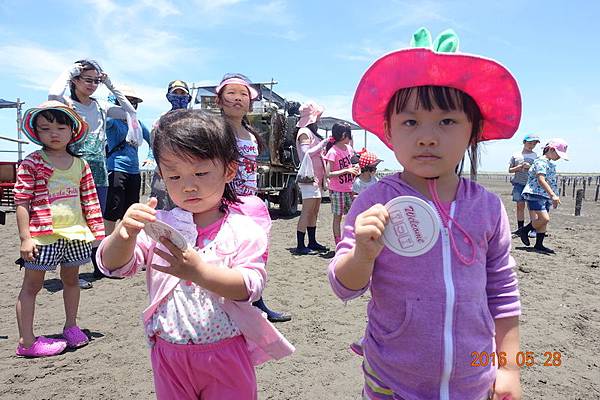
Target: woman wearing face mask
column 178, row 94
column 75, row 88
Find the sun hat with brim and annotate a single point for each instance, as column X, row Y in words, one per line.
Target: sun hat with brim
column 309, row 113
column 237, row 79
column 531, row 138
column 80, row 127
column 560, row 146
column 490, row 84
column 130, row 92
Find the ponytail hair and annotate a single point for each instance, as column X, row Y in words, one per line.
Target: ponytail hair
column 339, row 132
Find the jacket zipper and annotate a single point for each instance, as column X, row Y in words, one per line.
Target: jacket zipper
column 449, row 310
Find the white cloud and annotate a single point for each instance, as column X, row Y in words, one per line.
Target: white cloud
column 370, row 51
column 36, row 66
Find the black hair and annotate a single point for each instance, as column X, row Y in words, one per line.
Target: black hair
column 546, row 149
column 196, row 134
column 445, row 98
column 339, row 131
column 314, row 128
column 57, row 116
column 87, row 65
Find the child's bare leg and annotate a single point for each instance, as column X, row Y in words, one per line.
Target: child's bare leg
column 70, row 280
column 541, row 221
column 337, row 220
column 33, row 281
column 520, row 210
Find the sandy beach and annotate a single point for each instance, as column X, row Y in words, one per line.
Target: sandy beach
column 561, row 316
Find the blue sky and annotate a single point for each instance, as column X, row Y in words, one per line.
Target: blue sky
column 316, row 50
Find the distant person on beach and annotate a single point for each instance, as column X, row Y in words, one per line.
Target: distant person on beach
column 340, row 173
column 541, row 192
column 178, row 94
column 436, row 298
column 58, row 216
column 367, row 163
column 122, row 162
column 519, row 165
column 75, row 87
column 234, row 96
column 204, row 333
column 308, row 141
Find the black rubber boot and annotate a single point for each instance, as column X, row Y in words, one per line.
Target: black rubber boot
column 301, row 248
column 539, row 244
column 312, row 240
column 519, row 228
column 271, row 315
column 524, row 234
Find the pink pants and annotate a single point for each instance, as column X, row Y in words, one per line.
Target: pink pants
column 216, row 371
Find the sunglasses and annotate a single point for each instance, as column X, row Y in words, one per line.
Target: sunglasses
column 236, row 75
column 96, row 81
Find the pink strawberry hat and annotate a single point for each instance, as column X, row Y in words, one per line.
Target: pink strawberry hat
column 560, row 146
column 490, row 84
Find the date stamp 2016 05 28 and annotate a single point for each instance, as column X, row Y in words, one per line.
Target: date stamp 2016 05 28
column 522, row 359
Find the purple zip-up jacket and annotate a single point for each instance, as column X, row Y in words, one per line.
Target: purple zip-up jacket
column 428, row 314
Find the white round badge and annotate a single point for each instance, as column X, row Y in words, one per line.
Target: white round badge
column 413, row 228
column 158, row 229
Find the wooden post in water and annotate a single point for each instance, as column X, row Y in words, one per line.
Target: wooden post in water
column 584, row 186
column 597, row 192
column 574, row 186
column 578, row 202
column 563, row 192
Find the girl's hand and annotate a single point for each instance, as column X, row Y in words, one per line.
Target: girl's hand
column 135, row 218
column 354, row 170
column 184, row 264
column 29, row 250
column 368, row 230
column 555, row 201
column 508, row 385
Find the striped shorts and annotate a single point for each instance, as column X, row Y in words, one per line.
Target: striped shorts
column 340, row 202
column 375, row 389
column 67, row 253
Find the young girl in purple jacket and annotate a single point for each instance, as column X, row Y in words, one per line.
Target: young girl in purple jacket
column 434, row 313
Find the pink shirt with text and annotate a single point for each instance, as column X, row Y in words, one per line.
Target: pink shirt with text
column 338, row 159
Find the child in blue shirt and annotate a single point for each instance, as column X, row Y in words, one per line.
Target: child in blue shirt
column 541, row 191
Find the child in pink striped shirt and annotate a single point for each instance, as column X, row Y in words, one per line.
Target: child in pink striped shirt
column 58, row 216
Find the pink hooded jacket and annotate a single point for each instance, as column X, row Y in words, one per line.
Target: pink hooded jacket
column 240, row 244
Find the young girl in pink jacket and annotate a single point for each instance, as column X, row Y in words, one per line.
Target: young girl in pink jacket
column 205, row 335
column 434, row 248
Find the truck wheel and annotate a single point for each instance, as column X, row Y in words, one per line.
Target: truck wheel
column 288, row 198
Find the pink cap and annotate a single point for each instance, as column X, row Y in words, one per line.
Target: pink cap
column 560, row 146
column 238, row 81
